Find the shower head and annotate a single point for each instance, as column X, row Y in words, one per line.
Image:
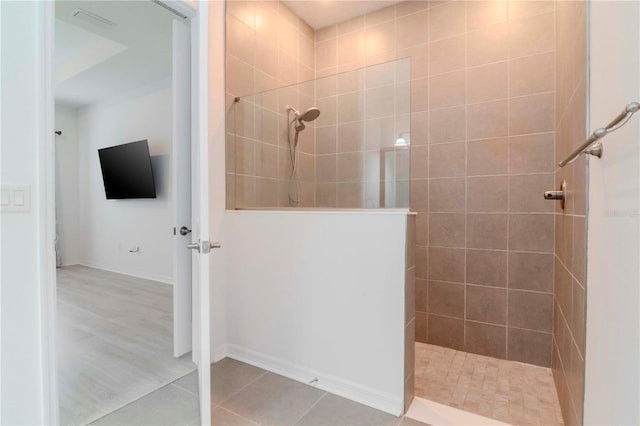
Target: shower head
column 309, row 115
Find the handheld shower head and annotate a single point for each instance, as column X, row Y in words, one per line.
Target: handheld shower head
column 309, row 115
column 299, row 119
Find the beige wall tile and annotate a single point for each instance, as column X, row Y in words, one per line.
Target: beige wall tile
column 325, row 195
column 487, row 45
column 419, row 197
column 420, row 128
column 487, row 194
column 380, row 133
column 531, row 232
column 446, row 264
column 525, row 193
column 531, row 347
column 421, row 327
column 446, row 195
column 422, row 296
column 411, row 30
column 240, row 77
column 411, row 6
column 446, row 125
column 447, row 160
column 326, row 54
column 530, row 36
column 532, row 74
column 487, row 82
column 350, row 167
column 326, row 140
column 531, row 153
column 266, row 192
column 351, row 137
column 351, row 47
column 351, row 25
column 531, row 114
column 266, row 157
column 444, row 331
column 446, row 299
column 486, row 304
column 241, row 40
column 447, row 229
column 524, row 9
column 531, row 311
column 482, row 13
column 447, row 90
column 485, row 339
column 326, row 168
column 419, row 162
column 487, row 230
column 382, row 15
column 380, row 39
column 486, row 267
column 349, row 195
column 447, row 55
column 531, row 271
column 350, row 107
column 447, row 20
column 419, row 95
column 487, row 120
column 378, row 102
column 487, row 157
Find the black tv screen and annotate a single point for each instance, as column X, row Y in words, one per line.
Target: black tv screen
column 127, row 172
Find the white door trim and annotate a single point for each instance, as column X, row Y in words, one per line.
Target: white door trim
column 45, row 197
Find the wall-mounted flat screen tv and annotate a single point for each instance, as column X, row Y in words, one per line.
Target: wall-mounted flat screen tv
column 127, row 172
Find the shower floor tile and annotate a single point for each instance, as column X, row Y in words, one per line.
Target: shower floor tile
column 508, row 391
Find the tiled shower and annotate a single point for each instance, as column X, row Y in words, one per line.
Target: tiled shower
column 488, row 96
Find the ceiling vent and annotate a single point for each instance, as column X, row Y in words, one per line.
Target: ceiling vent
column 93, row 19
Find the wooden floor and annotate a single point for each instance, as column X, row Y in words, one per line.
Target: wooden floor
column 115, row 342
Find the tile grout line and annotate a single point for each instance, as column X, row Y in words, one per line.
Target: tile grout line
column 311, row 408
column 242, row 388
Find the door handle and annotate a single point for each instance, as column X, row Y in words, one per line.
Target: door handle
column 203, row 246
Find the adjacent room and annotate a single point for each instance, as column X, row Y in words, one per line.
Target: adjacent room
column 118, row 338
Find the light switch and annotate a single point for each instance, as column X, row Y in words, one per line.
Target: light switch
column 18, row 197
column 15, row 198
column 5, row 198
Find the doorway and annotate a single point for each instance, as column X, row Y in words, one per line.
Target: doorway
column 124, row 311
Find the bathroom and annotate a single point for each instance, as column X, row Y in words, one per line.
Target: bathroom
column 452, row 115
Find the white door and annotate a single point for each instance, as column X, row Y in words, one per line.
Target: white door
column 182, row 297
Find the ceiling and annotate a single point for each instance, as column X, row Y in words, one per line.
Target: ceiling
column 322, row 13
column 94, row 60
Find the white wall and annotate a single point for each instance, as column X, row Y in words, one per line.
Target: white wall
column 113, row 227
column 67, row 185
column 319, row 295
column 21, row 373
column 612, row 382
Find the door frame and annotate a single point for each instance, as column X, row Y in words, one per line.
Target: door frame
column 197, row 12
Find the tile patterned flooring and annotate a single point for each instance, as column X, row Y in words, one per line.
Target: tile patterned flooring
column 508, row 391
column 245, row 395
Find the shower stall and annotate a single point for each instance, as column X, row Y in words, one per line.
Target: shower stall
column 436, row 126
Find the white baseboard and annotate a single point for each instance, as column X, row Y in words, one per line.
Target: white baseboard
column 144, row 276
column 344, row 388
column 219, row 353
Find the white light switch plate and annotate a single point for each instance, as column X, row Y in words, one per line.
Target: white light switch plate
column 15, row 198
